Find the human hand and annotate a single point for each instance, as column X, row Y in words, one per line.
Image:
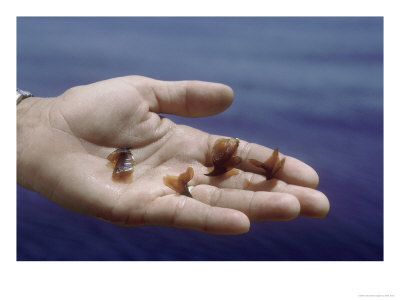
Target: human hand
column 63, row 143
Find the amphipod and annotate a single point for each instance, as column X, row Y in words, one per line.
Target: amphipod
column 180, row 183
column 122, row 161
column 272, row 165
column 222, row 156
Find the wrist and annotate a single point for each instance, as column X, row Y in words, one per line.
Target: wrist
column 21, row 95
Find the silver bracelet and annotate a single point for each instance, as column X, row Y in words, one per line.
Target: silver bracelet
column 21, row 95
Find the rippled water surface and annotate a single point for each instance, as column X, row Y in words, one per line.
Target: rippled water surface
column 313, row 86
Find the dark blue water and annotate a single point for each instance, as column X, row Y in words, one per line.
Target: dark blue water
column 313, row 86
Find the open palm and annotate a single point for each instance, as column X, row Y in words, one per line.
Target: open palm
column 66, row 161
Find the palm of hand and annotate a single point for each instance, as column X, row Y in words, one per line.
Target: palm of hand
column 87, row 123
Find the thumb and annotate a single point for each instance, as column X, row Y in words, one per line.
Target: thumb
column 189, row 98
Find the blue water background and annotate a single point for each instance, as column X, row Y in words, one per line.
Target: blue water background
column 312, row 86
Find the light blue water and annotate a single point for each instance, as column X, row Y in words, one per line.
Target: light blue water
column 313, row 86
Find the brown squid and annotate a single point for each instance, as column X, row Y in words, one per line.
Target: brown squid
column 272, row 165
column 222, row 156
column 122, row 161
column 180, row 183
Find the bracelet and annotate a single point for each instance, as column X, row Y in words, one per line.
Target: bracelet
column 21, row 95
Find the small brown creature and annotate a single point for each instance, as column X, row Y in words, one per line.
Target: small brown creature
column 180, row 183
column 222, row 156
column 271, row 165
column 122, row 161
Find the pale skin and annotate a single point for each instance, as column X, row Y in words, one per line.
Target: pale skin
column 63, row 143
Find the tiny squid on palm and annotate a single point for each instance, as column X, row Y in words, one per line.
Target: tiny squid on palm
column 271, row 165
column 180, row 183
column 222, row 156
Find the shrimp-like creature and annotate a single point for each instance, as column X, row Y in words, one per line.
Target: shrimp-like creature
column 122, row 161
